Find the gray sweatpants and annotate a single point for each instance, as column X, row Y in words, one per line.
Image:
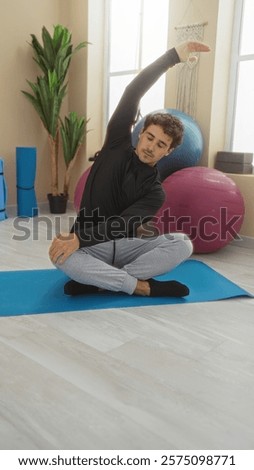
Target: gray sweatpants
column 117, row 265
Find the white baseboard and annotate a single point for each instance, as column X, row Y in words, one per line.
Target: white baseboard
column 244, row 242
column 43, row 208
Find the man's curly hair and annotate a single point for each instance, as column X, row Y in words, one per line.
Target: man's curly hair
column 171, row 126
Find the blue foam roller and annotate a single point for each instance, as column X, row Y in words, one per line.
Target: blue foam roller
column 26, row 171
column 3, row 192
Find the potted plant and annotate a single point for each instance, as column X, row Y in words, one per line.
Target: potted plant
column 53, row 57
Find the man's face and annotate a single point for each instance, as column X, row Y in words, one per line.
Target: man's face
column 153, row 145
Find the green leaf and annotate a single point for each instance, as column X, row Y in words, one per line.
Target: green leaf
column 53, row 57
column 72, row 133
column 36, row 106
column 49, row 51
column 80, row 46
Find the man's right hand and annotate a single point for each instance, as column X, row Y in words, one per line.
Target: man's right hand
column 147, row 231
column 184, row 49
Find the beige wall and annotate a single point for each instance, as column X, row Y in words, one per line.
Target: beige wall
column 213, row 68
column 74, row 14
column 20, row 125
column 246, row 185
column 204, row 10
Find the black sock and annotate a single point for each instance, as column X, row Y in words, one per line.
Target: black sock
column 75, row 288
column 167, row 288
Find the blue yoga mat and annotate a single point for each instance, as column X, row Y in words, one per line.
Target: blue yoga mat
column 41, row 291
column 26, row 171
column 3, row 192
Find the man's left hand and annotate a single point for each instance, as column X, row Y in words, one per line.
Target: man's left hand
column 64, row 245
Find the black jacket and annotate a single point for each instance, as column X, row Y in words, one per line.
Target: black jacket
column 122, row 192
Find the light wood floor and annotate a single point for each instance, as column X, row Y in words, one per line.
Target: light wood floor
column 164, row 377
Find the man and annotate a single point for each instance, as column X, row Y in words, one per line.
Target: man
column 106, row 248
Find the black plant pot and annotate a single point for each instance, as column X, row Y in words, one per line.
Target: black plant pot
column 57, row 204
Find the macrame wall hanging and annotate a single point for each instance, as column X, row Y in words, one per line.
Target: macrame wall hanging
column 187, row 73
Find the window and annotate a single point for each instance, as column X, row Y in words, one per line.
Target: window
column 242, row 137
column 136, row 35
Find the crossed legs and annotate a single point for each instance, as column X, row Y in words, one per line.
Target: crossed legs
column 127, row 265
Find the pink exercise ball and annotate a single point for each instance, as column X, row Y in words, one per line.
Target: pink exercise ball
column 203, row 203
column 80, row 188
